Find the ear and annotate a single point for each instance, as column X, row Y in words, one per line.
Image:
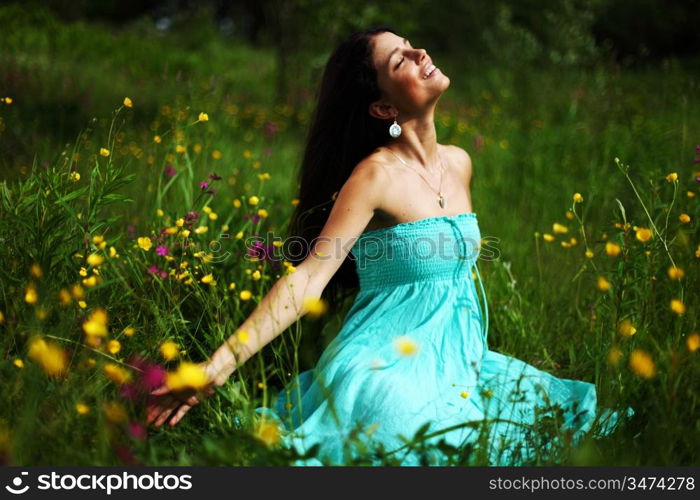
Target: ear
column 382, row 110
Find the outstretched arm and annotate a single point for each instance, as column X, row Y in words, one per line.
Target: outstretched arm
column 284, row 304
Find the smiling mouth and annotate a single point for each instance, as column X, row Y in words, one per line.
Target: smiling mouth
column 431, row 71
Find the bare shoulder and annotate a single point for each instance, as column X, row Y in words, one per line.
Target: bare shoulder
column 461, row 159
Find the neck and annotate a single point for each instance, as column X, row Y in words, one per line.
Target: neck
column 418, row 141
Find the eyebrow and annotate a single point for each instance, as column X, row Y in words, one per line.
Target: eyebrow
column 388, row 61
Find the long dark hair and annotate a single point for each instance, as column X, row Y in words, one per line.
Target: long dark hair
column 341, row 134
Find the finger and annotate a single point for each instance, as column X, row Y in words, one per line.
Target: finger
column 153, row 409
column 168, row 403
column 180, row 413
column 163, row 389
column 163, row 417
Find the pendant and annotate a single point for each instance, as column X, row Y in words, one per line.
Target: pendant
column 441, row 200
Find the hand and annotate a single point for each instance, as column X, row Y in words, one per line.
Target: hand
column 165, row 403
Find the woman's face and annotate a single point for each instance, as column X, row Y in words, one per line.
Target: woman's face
column 401, row 73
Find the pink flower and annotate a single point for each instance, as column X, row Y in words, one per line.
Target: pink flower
column 153, row 269
column 162, row 250
column 170, row 170
column 203, row 184
column 137, row 430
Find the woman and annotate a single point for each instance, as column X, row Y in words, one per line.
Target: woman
column 412, row 349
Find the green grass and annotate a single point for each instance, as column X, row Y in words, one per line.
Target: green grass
column 536, row 136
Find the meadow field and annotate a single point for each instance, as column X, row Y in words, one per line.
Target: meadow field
column 136, row 166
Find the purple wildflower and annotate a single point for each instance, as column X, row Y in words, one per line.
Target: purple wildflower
column 137, row 430
column 211, row 191
column 170, row 170
column 214, row 177
column 162, row 250
column 153, row 269
column 203, row 184
column 131, row 231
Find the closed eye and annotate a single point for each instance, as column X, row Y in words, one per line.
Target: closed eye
column 400, row 62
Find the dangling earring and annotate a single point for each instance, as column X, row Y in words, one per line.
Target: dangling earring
column 395, row 129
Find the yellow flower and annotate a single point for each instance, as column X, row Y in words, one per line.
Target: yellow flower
column 145, row 243
column 242, row 336
column 612, row 249
column 30, row 295
column 614, row 355
column 264, row 176
column 187, row 376
column 51, row 357
column 96, row 324
column 626, row 329
column 684, row 218
column 268, row 432
column 213, row 215
column 129, row 331
column 672, row 177
column 180, row 149
column 197, row 148
column 237, row 203
column 603, row 284
column 169, row 350
column 127, row 102
column 239, row 235
column 185, row 233
column 256, row 275
column 77, row 291
column 216, row 154
column 559, row 228
column 90, row 282
column 116, row 373
column 405, row 345
column 8, row 100
column 578, row 198
column 253, row 200
column 589, row 254
column 208, row 279
column 643, row 234
column 95, row 259
column 82, row 409
column 82, row 304
column 295, row 202
column 203, row 117
column 35, row 270
column 697, row 252
column 569, row 215
column 83, row 272
column 232, row 286
column 262, row 212
column 114, row 346
column 315, row 306
column 18, row 363
column 693, row 342
column 74, row 176
column 180, row 222
column 675, row 273
column 642, row 364
column 104, row 151
column 247, row 154
column 113, row 253
column 677, row 306
column 201, row 230
column 464, row 394
column 115, row 412
column 548, row 237
column 245, row 295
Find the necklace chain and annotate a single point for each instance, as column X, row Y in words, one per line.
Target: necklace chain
column 440, row 198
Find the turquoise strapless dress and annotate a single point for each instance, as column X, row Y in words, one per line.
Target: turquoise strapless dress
column 413, row 350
